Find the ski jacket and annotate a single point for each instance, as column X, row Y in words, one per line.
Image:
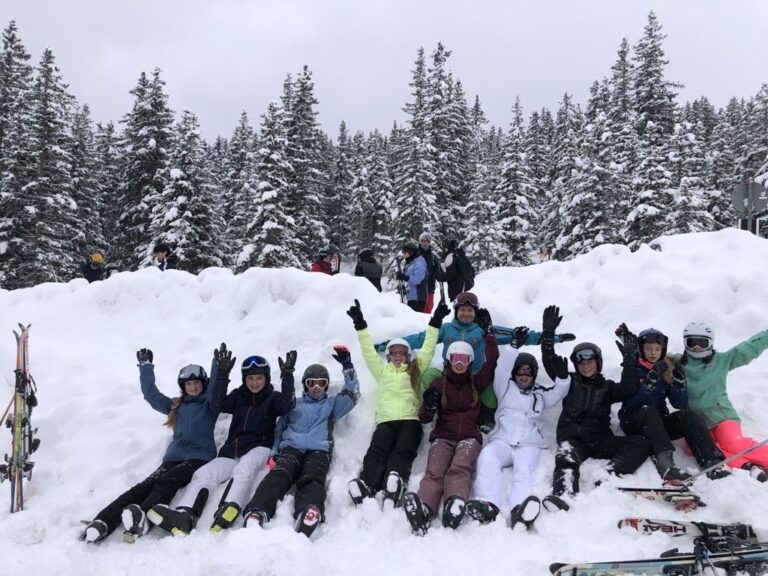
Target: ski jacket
column 397, row 400
column 416, row 270
column 433, row 267
column 171, row 262
column 94, row 274
column 452, row 272
column 650, row 393
column 472, row 334
column 254, row 416
column 309, row 424
column 586, row 414
column 459, row 410
column 518, row 414
column 707, row 393
column 195, row 417
column 369, row 268
column 321, row 265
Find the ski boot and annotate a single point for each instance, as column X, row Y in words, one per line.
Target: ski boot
column 526, row 513
column 757, row 472
column 453, row 512
column 482, row 511
column 359, row 491
column 308, row 520
column 178, row 522
column 95, row 531
column 554, row 503
column 418, row 514
column 134, row 523
column 716, row 473
column 667, row 469
column 253, row 518
column 225, row 516
column 393, row 490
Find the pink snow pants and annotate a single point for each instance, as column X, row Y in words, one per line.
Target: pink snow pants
column 450, row 467
column 729, row 439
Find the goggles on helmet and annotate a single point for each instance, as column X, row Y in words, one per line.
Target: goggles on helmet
column 254, row 362
column 459, row 359
column 466, row 299
column 701, row 341
column 316, row 383
column 192, row 372
column 524, row 371
column 584, row 356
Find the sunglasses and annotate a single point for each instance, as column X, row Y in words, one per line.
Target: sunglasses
column 316, row 383
column 459, row 359
column 192, row 372
column 585, row 356
column 700, row 341
column 399, row 354
column 255, row 362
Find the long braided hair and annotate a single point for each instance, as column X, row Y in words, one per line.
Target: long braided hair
column 175, row 403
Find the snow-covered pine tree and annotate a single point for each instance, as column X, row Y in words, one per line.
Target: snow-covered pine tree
column 720, row 167
column 109, row 157
column 360, row 207
column 338, row 194
column 382, row 195
column 239, row 188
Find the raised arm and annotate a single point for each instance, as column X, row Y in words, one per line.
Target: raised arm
column 372, row 360
column 152, row 395
column 221, row 366
column 287, row 398
column 742, row 354
column 630, row 383
column 347, row 398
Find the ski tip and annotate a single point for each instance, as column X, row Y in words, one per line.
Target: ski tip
column 555, row 568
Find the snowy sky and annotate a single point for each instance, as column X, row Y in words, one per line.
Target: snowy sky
column 221, row 57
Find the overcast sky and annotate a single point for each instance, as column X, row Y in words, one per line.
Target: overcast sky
column 220, row 57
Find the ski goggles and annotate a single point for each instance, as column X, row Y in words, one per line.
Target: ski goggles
column 700, row 341
column 585, row 356
column 466, row 299
column 398, row 353
column 316, row 383
column 255, row 362
column 524, row 371
column 192, row 372
column 459, row 359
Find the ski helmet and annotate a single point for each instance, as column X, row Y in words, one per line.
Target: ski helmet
column 587, row 351
column 652, row 336
column 411, row 247
column 425, row 236
column 256, row 365
column 315, row 372
column 525, row 359
column 466, row 299
column 450, row 244
column 460, row 348
column 698, row 334
column 399, row 342
column 192, row 372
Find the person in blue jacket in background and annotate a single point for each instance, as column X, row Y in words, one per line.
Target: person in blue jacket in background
column 193, row 417
column 415, row 273
column 304, row 445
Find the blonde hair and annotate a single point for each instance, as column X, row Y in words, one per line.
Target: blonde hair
column 415, row 373
column 175, row 403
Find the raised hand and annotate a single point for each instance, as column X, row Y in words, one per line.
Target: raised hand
column 342, row 356
column 144, row 356
column 289, row 363
column 519, row 336
column 439, row 314
column 628, row 345
column 483, row 319
column 551, row 319
column 356, row 313
column 224, row 360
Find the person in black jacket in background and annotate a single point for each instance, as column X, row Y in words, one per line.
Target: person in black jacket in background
column 368, row 267
column 584, row 427
column 165, row 257
column 456, row 269
column 94, row 270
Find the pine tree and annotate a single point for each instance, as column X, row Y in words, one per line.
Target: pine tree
column 85, row 184
column 382, row 195
column 360, row 201
column 108, row 157
column 239, row 187
column 340, row 227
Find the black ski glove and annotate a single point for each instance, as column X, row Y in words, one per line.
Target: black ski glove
column 678, row 375
column 439, row 314
column 559, row 366
column 431, row 399
column 342, row 356
column 628, row 344
column 551, row 319
column 224, row 361
column 144, row 356
column 356, row 314
column 519, row 336
column 483, row 319
column 288, row 365
column 402, row 276
column 566, row 337
column 653, row 377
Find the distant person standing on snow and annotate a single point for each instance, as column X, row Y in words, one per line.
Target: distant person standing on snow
column 94, row 270
column 192, row 417
column 456, row 269
column 433, row 268
column 327, row 262
column 415, row 273
column 368, row 267
column 166, row 259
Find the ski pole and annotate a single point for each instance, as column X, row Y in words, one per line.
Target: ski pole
column 690, row 480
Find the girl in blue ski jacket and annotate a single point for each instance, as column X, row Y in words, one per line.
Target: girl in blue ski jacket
column 415, row 273
column 303, row 447
column 192, row 417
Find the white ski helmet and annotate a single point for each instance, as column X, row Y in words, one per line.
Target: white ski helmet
column 460, row 347
column 698, row 330
column 399, row 342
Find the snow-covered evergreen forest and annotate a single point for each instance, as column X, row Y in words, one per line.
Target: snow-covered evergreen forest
column 629, row 165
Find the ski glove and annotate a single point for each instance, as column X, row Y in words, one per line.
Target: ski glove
column 144, row 356
column 431, row 398
column 342, row 356
column 402, row 276
column 356, row 314
column 288, row 364
column 628, row 345
column 566, row 337
column 519, row 336
column 559, row 365
column 678, row 375
column 551, row 319
column 439, row 314
column 224, row 360
column 483, row 319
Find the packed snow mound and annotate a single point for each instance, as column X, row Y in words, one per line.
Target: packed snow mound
column 99, row 436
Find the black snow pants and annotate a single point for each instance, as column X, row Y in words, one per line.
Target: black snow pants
column 393, row 449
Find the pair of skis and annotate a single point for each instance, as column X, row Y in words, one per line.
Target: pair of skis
column 18, row 466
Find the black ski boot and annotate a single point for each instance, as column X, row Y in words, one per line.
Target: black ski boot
column 526, row 512
column 482, row 511
column 95, row 531
column 134, row 523
column 716, row 473
column 252, row 518
column 554, row 503
column 308, row 520
column 667, row 469
column 418, row 514
column 178, row 522
column 225, row 516
column 757, row 472
column 359, row 491
column 394, row 489
column 453, row 512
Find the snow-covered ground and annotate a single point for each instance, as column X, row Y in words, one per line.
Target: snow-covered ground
column 99, row 436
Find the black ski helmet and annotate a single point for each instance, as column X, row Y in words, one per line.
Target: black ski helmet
column 411, row 247
column 652, row 336
column 315, row 371
column 192, row 372
column 525, row 359
column 582, row 352
column 256, row 365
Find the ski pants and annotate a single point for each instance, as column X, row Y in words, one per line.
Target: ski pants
column 157, row 488
column 243, row 472
column 626, row 454
column 730, row 439
column 307, row 469
column 496, row 456
column 393, row 449
column 450, row 466
column 661, row 430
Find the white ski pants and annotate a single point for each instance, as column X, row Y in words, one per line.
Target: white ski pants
column 494, row 457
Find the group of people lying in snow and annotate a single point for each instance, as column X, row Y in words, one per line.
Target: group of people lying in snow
column 286, row 440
